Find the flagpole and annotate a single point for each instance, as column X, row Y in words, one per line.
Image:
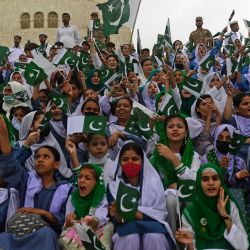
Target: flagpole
column 135, row 22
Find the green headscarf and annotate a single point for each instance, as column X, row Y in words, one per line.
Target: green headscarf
column 165, row 167
column 203, row 215
column 92, row 86
column 186, row 103
column 86, row 205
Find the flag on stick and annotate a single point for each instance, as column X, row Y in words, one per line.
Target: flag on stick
column 127, row 201
column 118, row 13
column 236, row 142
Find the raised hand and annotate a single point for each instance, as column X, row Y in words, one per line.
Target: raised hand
column 221, row 203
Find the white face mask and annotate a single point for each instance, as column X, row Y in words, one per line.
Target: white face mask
column 16, row 124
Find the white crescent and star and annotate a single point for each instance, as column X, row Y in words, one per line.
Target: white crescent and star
column 115, row 23
column 144, row 129
column 207, row 64
column 61, row 103
column 169, row 109
column 182, row 195
column 124, row 209
column 106, row 73
column 94, row 128
column 193, row 85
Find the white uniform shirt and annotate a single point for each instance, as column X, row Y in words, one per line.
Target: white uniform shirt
column 15, row 52
column 68, row 35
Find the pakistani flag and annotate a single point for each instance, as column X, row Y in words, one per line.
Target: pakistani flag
column 107, row 75
column 34, row 75
column 88, row 237
column 96, row 24
column 60, row 100
column 4, row 51
column 20, row 65
column 189, row 46
column 118, row 13
column 167, row 35
column 142, row 123
column 168, row 106
column 194, row 86
column 229, row 49
column 66, row 57
column 236, row 142
column 83, row 61
column 247, row 23
column 44, row 126
column 132, row 127
column 21, row 96
column 207, row 62
column 99, row 44
column 186, row 190
column 86, row 124
column 127, row 201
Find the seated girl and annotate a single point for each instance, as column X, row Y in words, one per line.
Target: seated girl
column 174, row 158
column 87, row 204
column 148, row 230
column 41, row 193
column 213, row 220
column 97, row 150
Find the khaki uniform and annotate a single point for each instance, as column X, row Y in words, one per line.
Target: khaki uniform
column 201, row 36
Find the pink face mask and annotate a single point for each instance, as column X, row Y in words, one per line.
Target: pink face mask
column 131, row 169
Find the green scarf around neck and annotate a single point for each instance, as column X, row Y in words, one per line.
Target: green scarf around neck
column 165, row 167
column 203, row 215
column 86, row 205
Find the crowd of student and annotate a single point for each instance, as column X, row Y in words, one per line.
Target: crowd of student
column 64, row 179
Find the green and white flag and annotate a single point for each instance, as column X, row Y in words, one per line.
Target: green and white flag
column 96, row 24
column 20, row 66
column 21, row 96
column 230, row 48
column 193, row 86
column 247, row 23
column 127, row 199
column 107, row 75
column 132, row 127
column 4, row 51
column 207, row 62
column 60, row 100
column 66, row 57
column 186, row 190
column 88, row 237
column 34, row 75
column 118, row 13
column 83, row 61
column 168, row 106
column 142, row 123
column 236, row 142
column 145, row 110
column 87, row 124
column 167, row 35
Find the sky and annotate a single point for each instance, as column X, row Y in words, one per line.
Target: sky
column 153, row 15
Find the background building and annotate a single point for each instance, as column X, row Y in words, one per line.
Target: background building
column 29, row 18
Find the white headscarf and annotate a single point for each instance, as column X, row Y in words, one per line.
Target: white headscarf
column 48, row 140
column 27, row 87
column 152, row 198
column 149, row 101
column 16, row 88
